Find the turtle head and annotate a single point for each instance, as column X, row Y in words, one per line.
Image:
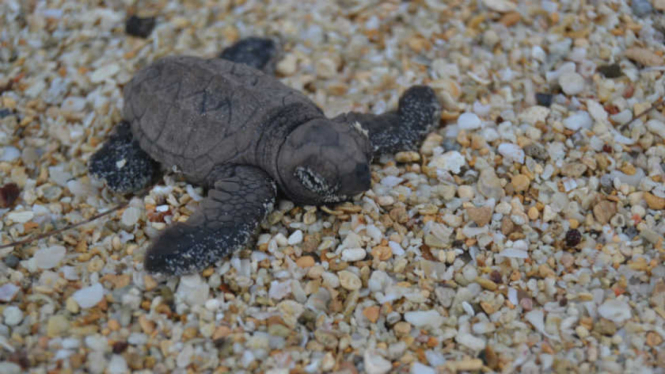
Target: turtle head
column 323, row 161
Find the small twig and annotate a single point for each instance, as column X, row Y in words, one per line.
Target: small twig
column 58, row 231
column 54, row 232
column 658, row 104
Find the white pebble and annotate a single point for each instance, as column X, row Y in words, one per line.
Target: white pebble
column 430, row 318
column 391, row 181
column 450, row 161
column 511, row 152
column 193, row 290
column 7, row 292
column 117, row 365
column 396, row 248
column 48, row 258
column 12, row 315
column 375, row 364
column 615, row 310
column 104, row 73
column 89, row 296
column 20, row 217
column 9, row 153
column 468, row 121
column 470, row 341
column 130, row 216
column 571, row 83
column 73, row 104
column 353, row 254
column 418, row 368
column 295, row 238
column 578, row 120
column 535, row 114
column 657, row 127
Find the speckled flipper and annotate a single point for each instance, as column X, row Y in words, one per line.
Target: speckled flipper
column 403, row 129
column 259, row 53
column 122, row 163
column 238, row 200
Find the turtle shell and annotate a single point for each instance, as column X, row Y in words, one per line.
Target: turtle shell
column 196, row 113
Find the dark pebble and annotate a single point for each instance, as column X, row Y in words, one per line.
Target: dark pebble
column 536, row 151
column 139, row 27
column 641, row 8
column 610, row 71
column 119, row 347
column 11, row 261
column 450, row 144
column 253, row 51
column 4, row 112
column 631, row 232
column 544, row 99
column 573, row 238
column 8, row 194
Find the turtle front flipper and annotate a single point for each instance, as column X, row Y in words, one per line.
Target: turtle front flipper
column 120, row 162
column 238, row 200
column 259, row 53
column 402, row 129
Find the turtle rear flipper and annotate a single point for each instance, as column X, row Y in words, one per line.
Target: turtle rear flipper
column 238, row 200
column 122, row 164
column 259, row 53
column 402, row 129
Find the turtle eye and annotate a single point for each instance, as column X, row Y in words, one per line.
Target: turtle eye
column 314, row 181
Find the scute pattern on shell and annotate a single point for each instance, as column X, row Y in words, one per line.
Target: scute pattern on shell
column 196, row 113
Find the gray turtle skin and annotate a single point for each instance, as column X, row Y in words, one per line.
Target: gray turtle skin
column 245, row 137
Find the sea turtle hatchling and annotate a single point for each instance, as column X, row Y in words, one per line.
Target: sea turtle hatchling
column 244, row 136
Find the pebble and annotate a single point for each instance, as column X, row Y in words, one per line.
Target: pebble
column 615, row 310
column 571, row 83
column 604, row 211
column 140, row 27
column 349, row 280
column 654, row 202
column 375, row 364
column 657, row 127
column 470, row 341
column 9, row 193
column 12, row 315
column 288, row 65
column 511, row 152
column 104, row 73
column 193, row 289
column 89, row 296
column 521, row 182
column 295, row 238
column 353, row 254
column 8, row 291
column 11, row 261
column 641, row 8
column 56, row 326
column 481, row 216
column 644, row 56
column 117, row 365
column 544, row 99
column 534, row 115
column 424, row 319
column 489, row 185
column 50, row 257
column 452, row 161
column 9, row 153
column 469, row 121
column 418, row 368
column 501, row 6
column 578, row 121
column 20, row 217
column 131, row 216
